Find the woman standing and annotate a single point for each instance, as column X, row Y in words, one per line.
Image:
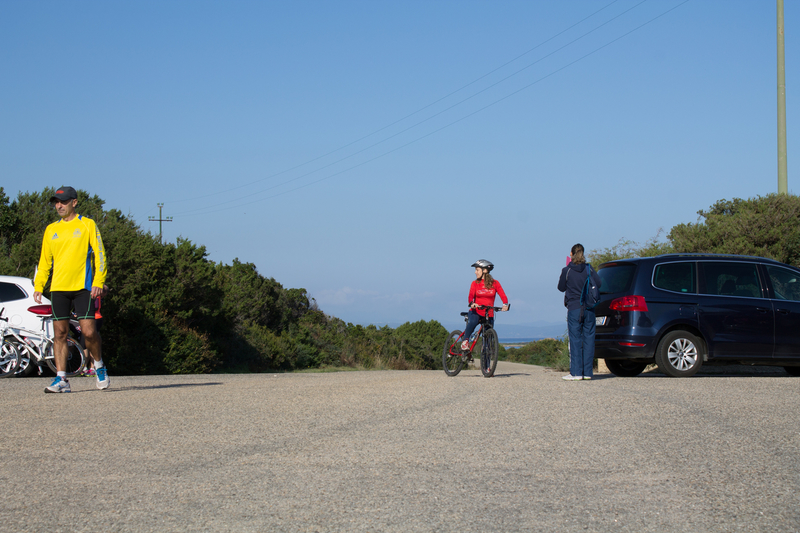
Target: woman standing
column 580, row 321
column 482, row 292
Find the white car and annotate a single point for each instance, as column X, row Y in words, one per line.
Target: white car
column 16, row 296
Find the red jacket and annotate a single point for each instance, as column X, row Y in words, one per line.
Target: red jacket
column 482, row 296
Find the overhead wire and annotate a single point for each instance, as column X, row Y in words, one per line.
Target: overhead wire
column 431, row 117
column 375, row 132
column 493, row 103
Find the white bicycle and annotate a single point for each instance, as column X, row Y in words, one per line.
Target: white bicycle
column 35, row 348
column 9, row 355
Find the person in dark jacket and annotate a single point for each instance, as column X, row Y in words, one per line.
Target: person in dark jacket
column 580, row 321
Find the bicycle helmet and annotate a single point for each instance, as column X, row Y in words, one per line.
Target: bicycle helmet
column 483, row 263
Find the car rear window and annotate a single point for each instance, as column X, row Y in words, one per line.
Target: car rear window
column 616, row 277
column 10, row 292
column 731, row 279
column 676, row 277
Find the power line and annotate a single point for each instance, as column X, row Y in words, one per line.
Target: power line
column 552, row 73
column 375, row 132
column 431, row 117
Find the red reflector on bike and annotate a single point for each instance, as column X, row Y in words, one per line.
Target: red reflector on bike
column 634, row 344
column 41, row 310
column 628, row 303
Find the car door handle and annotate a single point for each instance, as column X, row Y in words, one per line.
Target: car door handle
column 762, row 310
column 783, row 311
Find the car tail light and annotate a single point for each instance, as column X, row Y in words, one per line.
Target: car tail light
column 633, row 344
column 41, row 310
column 628, row 303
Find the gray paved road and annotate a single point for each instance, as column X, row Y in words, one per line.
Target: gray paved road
column 403, row 451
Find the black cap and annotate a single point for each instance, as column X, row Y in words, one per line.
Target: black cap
column 64, row 194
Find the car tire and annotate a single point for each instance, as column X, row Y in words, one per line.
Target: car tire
column 625, row 369
column 792, row 370
column 679, row 354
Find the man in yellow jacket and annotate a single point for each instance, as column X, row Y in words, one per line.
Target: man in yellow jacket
column 73, row 252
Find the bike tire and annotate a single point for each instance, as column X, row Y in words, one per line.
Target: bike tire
column 9, row 358
column 489, row 352
column 76, row 359
column 27, row 359
column 452, row 357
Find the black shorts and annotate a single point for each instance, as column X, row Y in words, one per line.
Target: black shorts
column 63, row 302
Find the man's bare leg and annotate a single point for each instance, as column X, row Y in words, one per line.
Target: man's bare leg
column 91, row 337
column 60, row 350
column 94, row 345
column 60, row 353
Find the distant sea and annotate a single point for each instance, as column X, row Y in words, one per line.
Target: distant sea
column 520, row 341
column 529, row 332
column 515, row 333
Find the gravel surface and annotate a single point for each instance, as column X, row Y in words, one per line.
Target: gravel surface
column 403, row 451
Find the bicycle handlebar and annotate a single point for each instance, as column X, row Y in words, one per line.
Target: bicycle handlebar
column 495, row 308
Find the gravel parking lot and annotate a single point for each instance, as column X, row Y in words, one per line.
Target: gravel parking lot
column 403, row 451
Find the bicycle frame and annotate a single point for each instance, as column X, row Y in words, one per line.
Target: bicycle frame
column 482, row 325
column 36, row 342
column 41, row 344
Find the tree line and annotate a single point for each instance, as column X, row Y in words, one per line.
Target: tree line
column 172, row 310
column 764, row 226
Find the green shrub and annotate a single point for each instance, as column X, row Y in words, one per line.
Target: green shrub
column 766, row 226
column 552, row 353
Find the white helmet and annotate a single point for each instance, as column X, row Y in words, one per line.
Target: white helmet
column 483, row 263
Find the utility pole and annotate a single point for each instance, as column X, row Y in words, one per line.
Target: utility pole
column 161, row 219
column 783, row 186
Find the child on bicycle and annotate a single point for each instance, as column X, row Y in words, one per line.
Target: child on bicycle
column 482, row 291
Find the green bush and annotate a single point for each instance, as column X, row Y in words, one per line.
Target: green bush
column 552, row 353
column 766, row 226
column 626, row 249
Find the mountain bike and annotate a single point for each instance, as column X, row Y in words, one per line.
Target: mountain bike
column 454, row 358
column 36, row 348
column 9, row 355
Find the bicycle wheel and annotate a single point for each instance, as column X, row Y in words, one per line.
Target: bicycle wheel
column 76, row 359
column 9, row 359
column 27, row 359
column 489, row 353
column 452, row 358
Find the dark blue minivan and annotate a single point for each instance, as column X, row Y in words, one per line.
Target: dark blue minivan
column 681, row 311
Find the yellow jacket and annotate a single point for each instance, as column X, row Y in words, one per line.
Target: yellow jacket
column 67, row 250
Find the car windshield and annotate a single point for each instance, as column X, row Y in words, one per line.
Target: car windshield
column 616, row 277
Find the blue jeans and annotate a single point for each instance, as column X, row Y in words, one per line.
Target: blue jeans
column 472, row 323
column 581, row 342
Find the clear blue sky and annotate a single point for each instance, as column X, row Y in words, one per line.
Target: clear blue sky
column 370, row 151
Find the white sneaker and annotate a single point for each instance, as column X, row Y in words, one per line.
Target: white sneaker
column 103, row 380
column 58, row 385
column 587, row 378
column 570, row 377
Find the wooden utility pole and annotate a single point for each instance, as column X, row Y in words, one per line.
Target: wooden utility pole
column 783, row 186
column 160, row 219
